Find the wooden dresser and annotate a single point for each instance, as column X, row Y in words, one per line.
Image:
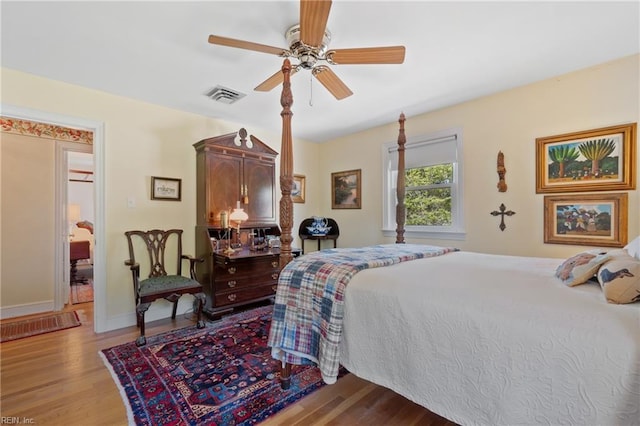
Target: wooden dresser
column 243, row 277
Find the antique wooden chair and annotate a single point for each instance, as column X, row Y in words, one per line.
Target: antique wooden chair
column 161, row 284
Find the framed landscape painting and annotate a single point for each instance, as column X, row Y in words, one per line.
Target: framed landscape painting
column 346, row 190
column 589, row 219
column 593, row 160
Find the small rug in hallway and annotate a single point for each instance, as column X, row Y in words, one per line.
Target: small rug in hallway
column 38, row 325
column 220, row 375
column 82, row 293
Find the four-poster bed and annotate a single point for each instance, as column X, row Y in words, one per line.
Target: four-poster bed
column 476, row 338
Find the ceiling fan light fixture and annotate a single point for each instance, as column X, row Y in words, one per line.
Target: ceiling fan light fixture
column 308, row 59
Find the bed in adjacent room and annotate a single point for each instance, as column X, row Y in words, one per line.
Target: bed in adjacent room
column 477, row 338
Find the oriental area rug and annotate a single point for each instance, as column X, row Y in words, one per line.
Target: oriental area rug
column 13, row 330
column 82, row 293
column 222, row 374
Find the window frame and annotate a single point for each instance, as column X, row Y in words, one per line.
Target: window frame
column 389, row 197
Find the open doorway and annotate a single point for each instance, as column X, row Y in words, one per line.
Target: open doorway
column 56, row 226
column 81, row 218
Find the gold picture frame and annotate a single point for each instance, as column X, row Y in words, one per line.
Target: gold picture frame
column 298, row 190
column 593, row 160
column 346, row 189
column 586, row 219
column 168, row 189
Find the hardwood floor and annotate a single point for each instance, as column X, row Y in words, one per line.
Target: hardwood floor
column 59, row 379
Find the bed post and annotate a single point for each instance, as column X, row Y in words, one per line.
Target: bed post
column 286, row 168
column 400, row 207
column 286, row 185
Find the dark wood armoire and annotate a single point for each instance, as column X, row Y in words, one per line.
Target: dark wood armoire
column 234, row 169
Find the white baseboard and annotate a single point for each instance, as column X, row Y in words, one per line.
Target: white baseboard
column 160, row 309
column 26, row 309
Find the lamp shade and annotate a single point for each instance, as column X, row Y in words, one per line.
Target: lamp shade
column 238, row 215
column 73, row 213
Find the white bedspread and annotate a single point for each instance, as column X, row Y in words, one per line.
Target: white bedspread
column 494, row 340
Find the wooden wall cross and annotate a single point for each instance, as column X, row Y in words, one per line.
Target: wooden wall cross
column 502, row 213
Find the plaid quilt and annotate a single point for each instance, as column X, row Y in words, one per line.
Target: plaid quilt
column 307, row 317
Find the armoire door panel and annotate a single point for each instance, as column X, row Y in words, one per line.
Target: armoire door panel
column 225, row 178
column 259, row 177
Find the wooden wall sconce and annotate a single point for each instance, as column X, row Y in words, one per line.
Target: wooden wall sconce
column 502, row 185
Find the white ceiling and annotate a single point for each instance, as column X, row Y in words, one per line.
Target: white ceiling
column 455, row 51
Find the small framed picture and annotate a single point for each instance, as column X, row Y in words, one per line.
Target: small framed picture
column 588, row 220
column 163, row 188
column 346, row 190
column 297, row 193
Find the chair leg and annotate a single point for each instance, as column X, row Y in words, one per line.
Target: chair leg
column 140, row 310
column 201, row 298
column 175, row 308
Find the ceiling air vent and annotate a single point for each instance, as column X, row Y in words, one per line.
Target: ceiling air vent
column 224, row 95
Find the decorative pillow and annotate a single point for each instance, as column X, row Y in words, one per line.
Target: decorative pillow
column 579, row 268
column 633, row 248
column 620, row 279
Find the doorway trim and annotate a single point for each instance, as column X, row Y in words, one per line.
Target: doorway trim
column 62, row 270
column 99, row 266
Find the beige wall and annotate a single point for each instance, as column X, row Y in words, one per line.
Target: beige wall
column 141, row 140
column 510, row 122
column 27, row 187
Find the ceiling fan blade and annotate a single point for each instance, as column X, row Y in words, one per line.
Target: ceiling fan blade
column 331, row 82
column 313, row 21
column 367, row 55
column 241, row 44
column 273, row 81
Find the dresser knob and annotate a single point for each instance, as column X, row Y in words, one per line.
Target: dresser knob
column 274, row 288
column 231, row 270
column 231, row 297
column 274, row 264
column 231, row 284
column 274, row 276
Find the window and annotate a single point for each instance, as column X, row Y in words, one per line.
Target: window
column 433, row 186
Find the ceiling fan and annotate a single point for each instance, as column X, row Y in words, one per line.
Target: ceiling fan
column 308, row 42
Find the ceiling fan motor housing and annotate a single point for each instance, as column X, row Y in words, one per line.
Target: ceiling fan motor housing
column 308, row 55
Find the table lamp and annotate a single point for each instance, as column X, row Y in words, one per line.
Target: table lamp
column 238, row 215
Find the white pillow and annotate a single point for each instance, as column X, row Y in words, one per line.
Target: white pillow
column 633, row 248
column 620, row 279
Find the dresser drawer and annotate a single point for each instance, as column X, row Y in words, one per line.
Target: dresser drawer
column 240, row 282
column 244, row 268
column 245, row 295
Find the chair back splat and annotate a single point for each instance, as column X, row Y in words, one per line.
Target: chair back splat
column 156, row 241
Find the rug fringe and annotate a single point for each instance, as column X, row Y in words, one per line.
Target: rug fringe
column 121, row 390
